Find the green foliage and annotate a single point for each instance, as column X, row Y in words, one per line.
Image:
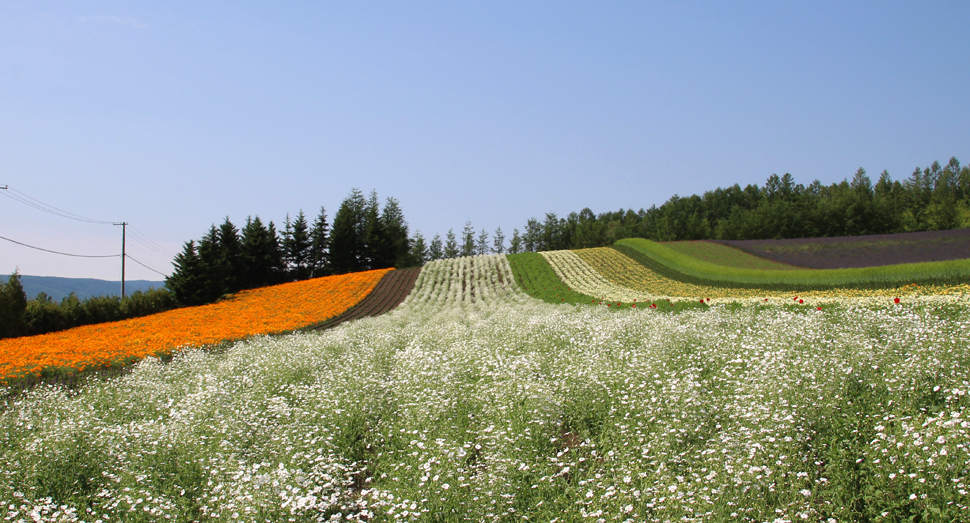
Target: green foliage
column 22, row 317
column 13, row 305
column 934, row 198
column 347, row 242
column 675, row 265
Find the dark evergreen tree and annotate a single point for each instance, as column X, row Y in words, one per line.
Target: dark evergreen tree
column 532, row 238
column 262, row 257
column 498, row 244
column 436, row 250
column 13, row 306
column 320, row 245
column 481, row 244
column 230, row 250
column 418, row 253
column 348, row 239
column 214, row 270
column 468, row 240
column 515, row 244
column 298, row 247
column 451, row 245
column 395, row 243
column 376, row 251
column 187, row 281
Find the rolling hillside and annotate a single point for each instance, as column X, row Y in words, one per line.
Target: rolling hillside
column 552, row 386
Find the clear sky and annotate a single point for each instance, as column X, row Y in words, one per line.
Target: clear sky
column 173, row 115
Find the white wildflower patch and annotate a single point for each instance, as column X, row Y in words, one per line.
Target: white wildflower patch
column 474, row 402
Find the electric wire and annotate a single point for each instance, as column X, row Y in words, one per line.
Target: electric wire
column 138, row 236
column 145, row 266
column 41, row 206
column 58, row 252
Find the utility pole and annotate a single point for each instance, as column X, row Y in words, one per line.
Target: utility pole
column 122, row 224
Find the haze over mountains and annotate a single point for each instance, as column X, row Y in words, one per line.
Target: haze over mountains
column 58, row 288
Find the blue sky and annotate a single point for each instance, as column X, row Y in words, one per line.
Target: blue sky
column 173, row 115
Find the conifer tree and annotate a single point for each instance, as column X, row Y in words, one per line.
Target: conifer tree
column 213, row 267
column 375, row 246
column 435, row 249
column 418, row 253
column 347, row 240
column 468, row 240
column 498, row 244
column 515, row 244
column 297, row 247
column 320, row 245
column 186, row 281
column 230, row 249
column 481, row 245
column 451, row 245
column 261, row 254
column 395, row 243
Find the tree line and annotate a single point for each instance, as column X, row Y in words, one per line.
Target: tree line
column 225, row 260
column 40, row 315
column 931, row 198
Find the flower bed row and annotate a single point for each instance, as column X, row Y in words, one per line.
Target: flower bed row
column 267, row 310
column 625, row 277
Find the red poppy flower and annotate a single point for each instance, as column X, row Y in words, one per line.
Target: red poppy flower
column 795, row 298
column 896, row 300
column 819, row 308
column 801, row 301
column 634, row 305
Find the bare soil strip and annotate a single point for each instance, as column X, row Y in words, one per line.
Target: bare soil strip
column 393, row 288
column 844, row 252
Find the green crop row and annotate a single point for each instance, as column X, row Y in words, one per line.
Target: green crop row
column 679, row 266
column 538, row 279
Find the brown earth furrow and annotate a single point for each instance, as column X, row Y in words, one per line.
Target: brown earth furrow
column 393, row 288
column 861, row 251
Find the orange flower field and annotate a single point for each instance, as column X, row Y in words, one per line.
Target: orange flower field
column 259, row 311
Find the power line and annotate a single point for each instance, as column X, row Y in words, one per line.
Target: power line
column 58, row 252
column 145, row 266
column 41, row 206
column 148, row 243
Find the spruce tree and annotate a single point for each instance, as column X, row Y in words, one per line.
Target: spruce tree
column 261, row 254
column 418, row 253
column 468, row 240
column 187, row 280
column 375, row 243
column 297, row 247
column 395, row 242
column 213, row 267
column 435, row 249
column 320, row 245
column 348, row 235
column 230, row 249
column 515, row 244
column 481, row 245
column 498, row 244
column 451, row 245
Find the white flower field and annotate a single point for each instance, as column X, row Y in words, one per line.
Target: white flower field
column 475, row 402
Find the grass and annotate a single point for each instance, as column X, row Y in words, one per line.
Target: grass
column 676, row 265
column 725, row 255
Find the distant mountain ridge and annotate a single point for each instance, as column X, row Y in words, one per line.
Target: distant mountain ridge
column 58, row 288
